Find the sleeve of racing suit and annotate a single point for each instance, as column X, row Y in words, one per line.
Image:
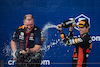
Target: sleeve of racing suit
column 70, row 34
column 66, row 39
column 15, row 37
column 70, row 40
column 38, row 38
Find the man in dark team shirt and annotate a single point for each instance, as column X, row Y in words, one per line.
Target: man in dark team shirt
column 83, row 44
column 29, row 39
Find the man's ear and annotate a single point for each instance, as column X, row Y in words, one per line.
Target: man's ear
column 88, row 27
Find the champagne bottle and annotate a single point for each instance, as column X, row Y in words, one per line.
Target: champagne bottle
column 68, row 23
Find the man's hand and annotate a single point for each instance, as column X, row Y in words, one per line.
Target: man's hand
column 74, row 24
column 71, row 28
column 59, row 27
column 25, row 51
column 13, row 58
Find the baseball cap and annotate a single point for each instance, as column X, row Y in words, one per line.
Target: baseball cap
column 83, row 23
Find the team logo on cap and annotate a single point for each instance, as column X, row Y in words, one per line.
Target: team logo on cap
column 81, row 17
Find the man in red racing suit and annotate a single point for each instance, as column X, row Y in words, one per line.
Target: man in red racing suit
column 83, row 44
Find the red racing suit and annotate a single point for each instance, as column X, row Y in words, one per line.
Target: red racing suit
column 83, row 45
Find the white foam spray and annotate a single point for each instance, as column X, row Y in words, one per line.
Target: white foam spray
column 48, row 44
column 45, row 47
column 47, row 26
column 7, row 51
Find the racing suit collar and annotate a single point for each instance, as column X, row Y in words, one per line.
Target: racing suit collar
column 84, row 34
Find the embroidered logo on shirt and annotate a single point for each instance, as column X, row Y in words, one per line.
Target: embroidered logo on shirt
column 31, row 37
column 21, row 36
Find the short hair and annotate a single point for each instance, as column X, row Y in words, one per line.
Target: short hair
column 28, row 15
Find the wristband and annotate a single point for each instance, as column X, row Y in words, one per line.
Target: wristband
column 17, row 53
column 20, row 51
column 14, row 55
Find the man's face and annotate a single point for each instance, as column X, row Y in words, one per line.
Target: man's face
column 83, row 30
column 29, row 24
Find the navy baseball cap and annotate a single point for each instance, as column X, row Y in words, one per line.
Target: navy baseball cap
column 83, row 23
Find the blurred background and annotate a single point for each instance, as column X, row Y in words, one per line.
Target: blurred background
column 53, row 12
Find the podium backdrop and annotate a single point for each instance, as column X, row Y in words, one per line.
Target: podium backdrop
column 53, row 12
